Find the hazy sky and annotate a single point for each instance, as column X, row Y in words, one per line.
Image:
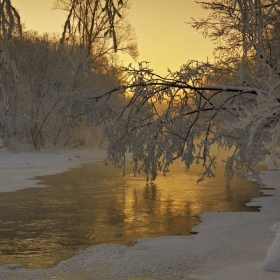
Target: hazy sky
column 164, row 38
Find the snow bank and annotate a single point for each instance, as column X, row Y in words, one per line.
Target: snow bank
column 17, row 171
column 227, row 246
column 272, row 262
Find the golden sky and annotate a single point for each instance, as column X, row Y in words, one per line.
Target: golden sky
column 164, row 38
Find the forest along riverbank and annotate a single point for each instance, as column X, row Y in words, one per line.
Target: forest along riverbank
column 229, row 245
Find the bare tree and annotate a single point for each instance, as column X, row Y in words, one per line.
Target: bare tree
column 99, row 27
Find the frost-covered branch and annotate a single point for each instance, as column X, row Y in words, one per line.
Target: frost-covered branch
column 181, row 117
column 232, row 104
column 9, row 25
column 100, row 28
column 9, row 20
column 84, row 16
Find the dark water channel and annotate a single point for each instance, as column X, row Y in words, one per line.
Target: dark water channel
column 94, row 204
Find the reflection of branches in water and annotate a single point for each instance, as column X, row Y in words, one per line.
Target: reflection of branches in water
column 146, row 200
column 229, row 194
column 188, row 208
column 150, row 191
column 169, row 216
column 116, row 209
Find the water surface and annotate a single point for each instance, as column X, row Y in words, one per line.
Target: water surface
column 94, row 204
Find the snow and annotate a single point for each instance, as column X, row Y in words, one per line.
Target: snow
column 17, row 170
column 231, row 246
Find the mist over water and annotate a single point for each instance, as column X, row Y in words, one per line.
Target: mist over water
column 94, row 204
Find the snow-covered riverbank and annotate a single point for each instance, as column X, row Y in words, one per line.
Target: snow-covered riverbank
column 17, row 170
column 227, row 246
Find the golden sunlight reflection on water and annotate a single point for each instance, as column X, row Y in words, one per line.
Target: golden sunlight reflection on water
column 94, row 204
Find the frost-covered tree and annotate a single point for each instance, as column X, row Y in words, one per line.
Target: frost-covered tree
column 100, row 28
column 9, row 25
column 201, row 104
column 89, row 17
column 81, row 20
column 35, row 110
column 9, row 20
column 39, row 103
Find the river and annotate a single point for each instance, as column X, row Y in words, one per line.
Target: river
column 94, row 204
